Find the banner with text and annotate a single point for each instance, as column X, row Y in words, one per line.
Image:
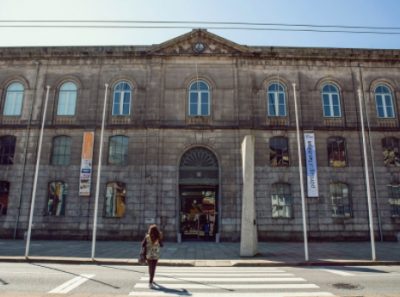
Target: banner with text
column 311, row 165
column 85, row 177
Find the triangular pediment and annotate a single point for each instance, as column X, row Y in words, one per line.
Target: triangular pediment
column 199, row 42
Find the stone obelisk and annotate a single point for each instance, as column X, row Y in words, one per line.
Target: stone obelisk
column 248, row 238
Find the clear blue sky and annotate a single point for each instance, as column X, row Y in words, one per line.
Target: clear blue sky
column 319, row 12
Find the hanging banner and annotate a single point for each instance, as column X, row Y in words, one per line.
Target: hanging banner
column 86, row 164
column 311, row 165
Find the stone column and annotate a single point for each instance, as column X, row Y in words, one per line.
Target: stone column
column 248, row 238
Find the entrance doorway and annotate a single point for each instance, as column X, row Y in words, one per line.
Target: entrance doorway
column 198, row 195
column 199, row 212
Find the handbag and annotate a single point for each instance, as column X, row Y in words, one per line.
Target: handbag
column 142, row 256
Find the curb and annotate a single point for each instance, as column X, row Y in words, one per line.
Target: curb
column 196, row 263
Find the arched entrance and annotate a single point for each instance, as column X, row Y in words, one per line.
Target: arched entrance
column 198, row 193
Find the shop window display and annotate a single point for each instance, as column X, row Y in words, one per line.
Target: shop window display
column 115, row 205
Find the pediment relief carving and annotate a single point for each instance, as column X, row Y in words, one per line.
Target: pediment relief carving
column 199, row 42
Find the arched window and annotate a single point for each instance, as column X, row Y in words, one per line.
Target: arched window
column 279, row 151
column 276, row 100
column 384, row 102
column 341, row 202
column 394, row 199
column 115, row 203
column 337, row 152
column 4, row 192
column 14, row 99
column 391, row 151
column 57, row 192
column 331, row 101
column 7, row 149
column 118, row 150
column 122, row 99
column 199, row 99
column 67, row 99
column 281, row 200
column 61, row 153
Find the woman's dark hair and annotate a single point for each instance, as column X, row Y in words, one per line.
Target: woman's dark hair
column 154, row 233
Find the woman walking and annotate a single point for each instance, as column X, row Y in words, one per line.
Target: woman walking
column 152, row 242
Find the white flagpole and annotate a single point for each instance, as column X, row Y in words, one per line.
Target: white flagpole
column 303, row 201
column 366, row 168
column 96, row 200
column 28, row 236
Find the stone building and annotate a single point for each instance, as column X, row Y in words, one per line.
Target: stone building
column 176, row 114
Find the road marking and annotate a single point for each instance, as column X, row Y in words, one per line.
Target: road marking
column 231, row 286
column 226, row 280
column 157, row 293
column 71, row 284
column 339, row 272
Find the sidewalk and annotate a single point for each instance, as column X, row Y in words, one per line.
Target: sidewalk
column 204, row 253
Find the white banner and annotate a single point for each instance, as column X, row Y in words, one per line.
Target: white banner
column 311, row 165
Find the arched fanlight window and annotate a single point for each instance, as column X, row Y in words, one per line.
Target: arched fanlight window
column 67, row 99
column 115, row 203
column 276, row 100
column 199, row 99
column 337, row 151
column 331, row 101
column 57, row 193
column 122, row 99
column 14, row 99
column 384, row 102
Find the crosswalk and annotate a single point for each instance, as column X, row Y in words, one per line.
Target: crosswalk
column 226, row 281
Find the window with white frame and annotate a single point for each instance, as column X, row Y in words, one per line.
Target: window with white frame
column 331, row 101
column 276, row 100
column 384, row 102
column 122, row 99
column 394, row 200
column 14, row 99
column 199, row 99
column 391, row 151
column 281, row 200
column 67, row 99
column 61, row 152
column 340, row 198
column 118, row 150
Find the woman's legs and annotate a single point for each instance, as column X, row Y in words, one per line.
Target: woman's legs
column 152, row 269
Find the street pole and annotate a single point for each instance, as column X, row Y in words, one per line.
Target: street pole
column 303, row 201
column 366, row 169
column 28, row 236
column 96, row 200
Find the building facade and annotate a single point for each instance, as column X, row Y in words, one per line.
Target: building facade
column 176, row 114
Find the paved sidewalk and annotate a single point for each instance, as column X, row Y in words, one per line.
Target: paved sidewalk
column 205, row 253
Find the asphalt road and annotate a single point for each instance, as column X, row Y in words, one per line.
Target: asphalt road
column 29, row 279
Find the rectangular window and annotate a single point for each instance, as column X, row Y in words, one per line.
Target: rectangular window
column 394, row 200
column 341, row 205
column 281, row 201
column 4, row 192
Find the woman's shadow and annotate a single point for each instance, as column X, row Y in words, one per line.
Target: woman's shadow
column 181, row 292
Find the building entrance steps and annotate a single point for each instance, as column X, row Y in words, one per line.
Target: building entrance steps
column 204, row 253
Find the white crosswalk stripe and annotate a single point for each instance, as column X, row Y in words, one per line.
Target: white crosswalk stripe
column 226, row 282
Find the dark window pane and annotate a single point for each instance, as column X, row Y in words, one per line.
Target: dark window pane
column 7, row 149
column 4, row 193
column 57, row 192
column 279, row 153
column 118, row 150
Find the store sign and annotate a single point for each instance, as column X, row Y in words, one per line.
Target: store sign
column 85, row 177
column 311, row 165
